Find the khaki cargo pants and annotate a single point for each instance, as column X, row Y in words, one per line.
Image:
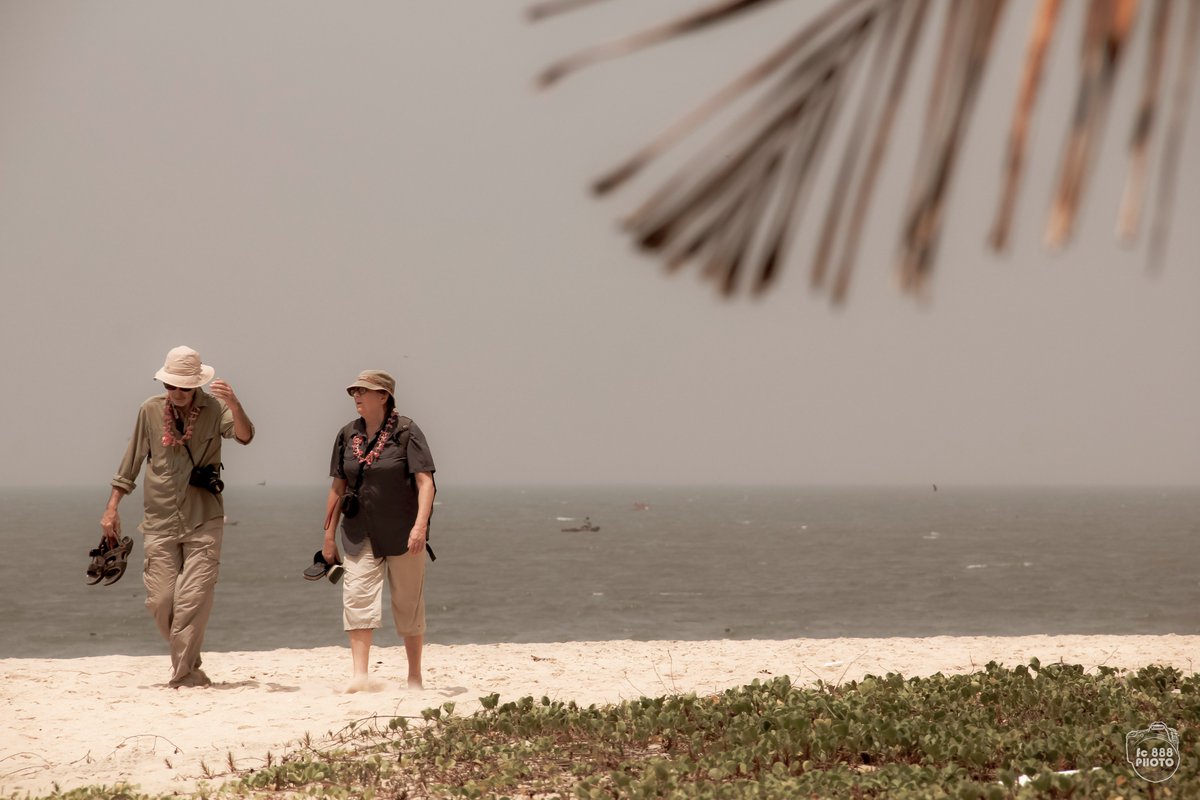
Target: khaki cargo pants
column 181, row 577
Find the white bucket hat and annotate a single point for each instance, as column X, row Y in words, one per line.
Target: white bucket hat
column 183, row 369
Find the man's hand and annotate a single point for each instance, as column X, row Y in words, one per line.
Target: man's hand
column 110, row 523
column 243, row 431
column 223, row 391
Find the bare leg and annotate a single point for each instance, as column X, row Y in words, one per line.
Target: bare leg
column 412, row 647
column 360, row 654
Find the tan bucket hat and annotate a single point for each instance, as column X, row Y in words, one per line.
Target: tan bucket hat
column 375, row 379
column 183, row 369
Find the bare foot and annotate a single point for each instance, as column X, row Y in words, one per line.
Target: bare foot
column 415, row 683
column 362, row 683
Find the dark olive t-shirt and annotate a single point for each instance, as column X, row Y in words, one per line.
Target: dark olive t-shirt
column 388, row 494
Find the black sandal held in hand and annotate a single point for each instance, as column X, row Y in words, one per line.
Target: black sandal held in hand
column 117, row 560
column 321, row 568
column 109, row 561
column 95, row 570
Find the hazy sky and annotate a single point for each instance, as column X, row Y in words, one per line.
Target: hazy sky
column 302, row 190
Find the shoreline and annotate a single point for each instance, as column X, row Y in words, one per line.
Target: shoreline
column 105, row 719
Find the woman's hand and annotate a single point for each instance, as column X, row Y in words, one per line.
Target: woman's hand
column 329, row 552
column 416, row 538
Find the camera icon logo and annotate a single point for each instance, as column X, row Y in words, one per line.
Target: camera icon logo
column 1153, row 752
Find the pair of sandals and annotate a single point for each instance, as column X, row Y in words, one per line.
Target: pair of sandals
column 109, row 561
column 323, row 569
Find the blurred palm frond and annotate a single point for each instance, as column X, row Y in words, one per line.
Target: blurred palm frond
column 735, row 205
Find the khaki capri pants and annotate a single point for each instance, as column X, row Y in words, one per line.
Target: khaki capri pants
column 362, row 591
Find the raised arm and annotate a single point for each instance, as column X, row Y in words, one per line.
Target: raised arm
column 243, row 428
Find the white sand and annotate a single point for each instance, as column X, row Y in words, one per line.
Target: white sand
column 100, row 720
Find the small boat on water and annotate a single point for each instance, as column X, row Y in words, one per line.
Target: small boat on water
column 585, row 527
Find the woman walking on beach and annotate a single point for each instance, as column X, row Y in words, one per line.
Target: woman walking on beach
column 382, row 492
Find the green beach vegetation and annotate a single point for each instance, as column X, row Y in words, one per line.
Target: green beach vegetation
column 996, row 733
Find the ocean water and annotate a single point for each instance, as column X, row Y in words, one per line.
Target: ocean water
column 698, row 563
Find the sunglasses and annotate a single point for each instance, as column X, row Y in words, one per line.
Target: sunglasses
column 355, row 391
column 171, row 388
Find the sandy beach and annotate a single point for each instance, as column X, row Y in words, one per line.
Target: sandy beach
column 105, row 719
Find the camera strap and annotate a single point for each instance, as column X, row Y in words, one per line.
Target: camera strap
column 189, row 452
column 362, row 467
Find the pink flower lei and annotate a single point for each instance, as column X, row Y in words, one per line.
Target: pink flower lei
column 170, row 438
column 356, row 444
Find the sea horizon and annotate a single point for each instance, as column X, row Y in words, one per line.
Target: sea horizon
column 668, row 562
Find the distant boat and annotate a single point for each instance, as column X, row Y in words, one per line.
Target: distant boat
column 637, row 506
column 262, row 483
column 586, row 527
column 228, row 521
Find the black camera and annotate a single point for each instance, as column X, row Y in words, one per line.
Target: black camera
column 207, row 478
column 349, row 505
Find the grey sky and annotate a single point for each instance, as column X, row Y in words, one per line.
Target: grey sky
column 301, row 190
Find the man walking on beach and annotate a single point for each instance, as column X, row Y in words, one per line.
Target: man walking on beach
column 179, row 433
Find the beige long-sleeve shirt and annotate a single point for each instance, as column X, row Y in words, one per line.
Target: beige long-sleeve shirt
column 171, row 504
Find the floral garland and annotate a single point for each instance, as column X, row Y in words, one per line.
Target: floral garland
column 170, row 437
column 356, row 444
